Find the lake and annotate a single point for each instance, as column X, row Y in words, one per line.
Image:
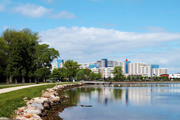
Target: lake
column 124, row 102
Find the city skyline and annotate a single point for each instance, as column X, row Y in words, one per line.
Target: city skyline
column 88, row 30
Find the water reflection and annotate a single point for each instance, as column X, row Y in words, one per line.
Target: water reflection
column 153, row 100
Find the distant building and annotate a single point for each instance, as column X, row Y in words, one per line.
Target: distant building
column 165, row 75
column 84, row 66
column 153, row 67
column 112, row 63
column 123, row 65
column 106, row 72
column 159, row 71
column 60, row 63
column 102, row 63
column 176, row 75
column 127, row 66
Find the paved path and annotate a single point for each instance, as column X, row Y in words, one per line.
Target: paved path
column 20, row 87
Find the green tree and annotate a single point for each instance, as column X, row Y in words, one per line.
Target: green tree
column 80, row 75
column 98, row 76
column 92, row 76
column 72, row 68
column 59, row 73
column 118, row 73
column 43, row 73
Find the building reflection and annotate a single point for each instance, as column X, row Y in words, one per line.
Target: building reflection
column 137, row 96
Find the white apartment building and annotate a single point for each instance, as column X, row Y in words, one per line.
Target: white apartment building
column 145, row 70
column 159, row 71
column 139, row 69
column 123, row 65
column 84, row 66
column 106, row 72
column 112, row 63
column 95, row 70
column 176, row 75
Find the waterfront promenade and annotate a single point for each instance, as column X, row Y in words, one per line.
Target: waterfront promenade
column 5, row 90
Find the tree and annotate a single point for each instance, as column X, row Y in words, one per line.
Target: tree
column 43, row 73
column 118, row 73
column 92, row 76
column 72, row 68
column 80, row 75
column 98, row 76
column 21, row 55
column 59, row 73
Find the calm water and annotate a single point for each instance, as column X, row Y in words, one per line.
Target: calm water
column 129, row 102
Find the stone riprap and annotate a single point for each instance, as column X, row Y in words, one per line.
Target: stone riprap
column 35, row 108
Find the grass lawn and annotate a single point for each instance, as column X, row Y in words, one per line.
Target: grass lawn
column 12, row 100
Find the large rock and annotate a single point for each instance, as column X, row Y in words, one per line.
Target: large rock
column 40, row 100
column 46, row 105
column 37, row 105
column 46, row 95
column 33, row 111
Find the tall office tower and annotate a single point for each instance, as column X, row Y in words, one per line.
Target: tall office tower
column 159, row 71
column 123, row 65
column 102, row 63
column 112, row 63
column 127, row 65
column 153, row 67
column 60, row 63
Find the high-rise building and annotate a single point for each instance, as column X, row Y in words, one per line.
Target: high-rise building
column 153, row 67
column 139, row 69
column 127, row 65
column 159, row 71
column 112, row 63
column 60, row 63
column 102, row 63
column 123, row 65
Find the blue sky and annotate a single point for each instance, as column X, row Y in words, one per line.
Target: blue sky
column 88, row 30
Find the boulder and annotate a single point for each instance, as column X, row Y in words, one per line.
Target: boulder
column 28, row 115
column 37, row 105
column 33, row 111
column 40, row 100
column 46, row 95
column 46, row 105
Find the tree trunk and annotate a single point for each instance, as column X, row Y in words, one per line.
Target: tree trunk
column 29, row 80
column 10, row 79
column 23, row 81
column 15, row 81
column 7, row 81
column 44, row 80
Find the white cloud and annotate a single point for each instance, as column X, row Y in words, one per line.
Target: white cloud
column 89, row 44
column 36, row 11
column 31, row 10
column 63, row 15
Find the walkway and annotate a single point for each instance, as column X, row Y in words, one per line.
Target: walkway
column 5, row 90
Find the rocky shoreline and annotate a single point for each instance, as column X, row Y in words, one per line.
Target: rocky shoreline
column 36, row 108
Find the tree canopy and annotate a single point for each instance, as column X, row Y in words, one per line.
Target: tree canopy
column 21, row 55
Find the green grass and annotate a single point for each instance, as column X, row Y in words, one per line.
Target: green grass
column 12, row 100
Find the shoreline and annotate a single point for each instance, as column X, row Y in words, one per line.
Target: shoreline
column 131, row 82
column 37, row 108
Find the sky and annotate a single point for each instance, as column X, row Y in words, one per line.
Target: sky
column 89, row 30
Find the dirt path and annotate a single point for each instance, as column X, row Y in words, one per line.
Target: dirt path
column 20, row 87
